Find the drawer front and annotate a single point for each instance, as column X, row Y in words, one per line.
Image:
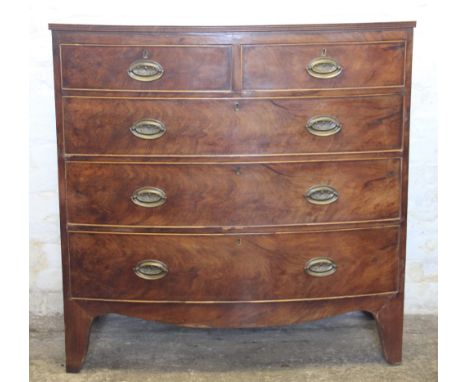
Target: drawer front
column 229, row 127
column 196, row 68
column 233, row 268
column 232, row 194
column 270, row 67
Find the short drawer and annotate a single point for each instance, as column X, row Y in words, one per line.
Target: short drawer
column 232, row 194
column 152, row 68
column 230, row 127
column 321, row 66
column 234, row 268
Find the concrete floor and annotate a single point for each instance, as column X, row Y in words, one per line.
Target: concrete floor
column 344, row 348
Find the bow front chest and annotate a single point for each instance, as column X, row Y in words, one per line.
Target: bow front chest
column 233, row 176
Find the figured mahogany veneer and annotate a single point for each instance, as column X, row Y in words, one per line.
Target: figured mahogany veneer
column 232, row 127
column 208, row 223
column 233, row 194
column 185, row 68
column 281, row 66
column 235, row 267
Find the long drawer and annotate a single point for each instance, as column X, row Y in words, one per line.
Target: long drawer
column 234, row 268
column 233, row 194
column 321, row 66
column 230, row 127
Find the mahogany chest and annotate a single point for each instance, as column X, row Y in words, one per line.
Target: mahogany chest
column 233, row 176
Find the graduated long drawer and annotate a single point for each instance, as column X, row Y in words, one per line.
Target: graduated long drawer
column 230, row 127
column 233, row 194
column 234, row 267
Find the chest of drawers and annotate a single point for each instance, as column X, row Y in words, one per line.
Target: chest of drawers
column 233, row 176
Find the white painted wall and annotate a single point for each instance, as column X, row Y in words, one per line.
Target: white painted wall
column 45, row 268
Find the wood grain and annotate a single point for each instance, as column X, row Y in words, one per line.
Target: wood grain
column 217, row 127
column 284, row 66
column 250, row 315
column 234, row 28
column 233, row 195
column 78, row 323
column 233, row 175
column 389, row 320
column 185, row 68
column 234, row 268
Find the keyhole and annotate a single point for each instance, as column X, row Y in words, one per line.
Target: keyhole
column 145, row 53
column 324, row 52
column 238, row 241
column 237, row 171
column 236, row 106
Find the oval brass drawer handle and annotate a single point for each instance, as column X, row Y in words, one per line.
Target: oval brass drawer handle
column 148, row 129
column 151, row 269
column 149, row 197
column 320, row 267
column 323, row 126
column 321, row 195
column 145, row 70
column 324, row 67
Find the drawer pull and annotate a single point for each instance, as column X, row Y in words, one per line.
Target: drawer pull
column 323, row 126
column 149, row 197
column 148, row 129
column 321, row 195
column 145, row 70
column 151, row 269
column 320, row 267
column 324, row 67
